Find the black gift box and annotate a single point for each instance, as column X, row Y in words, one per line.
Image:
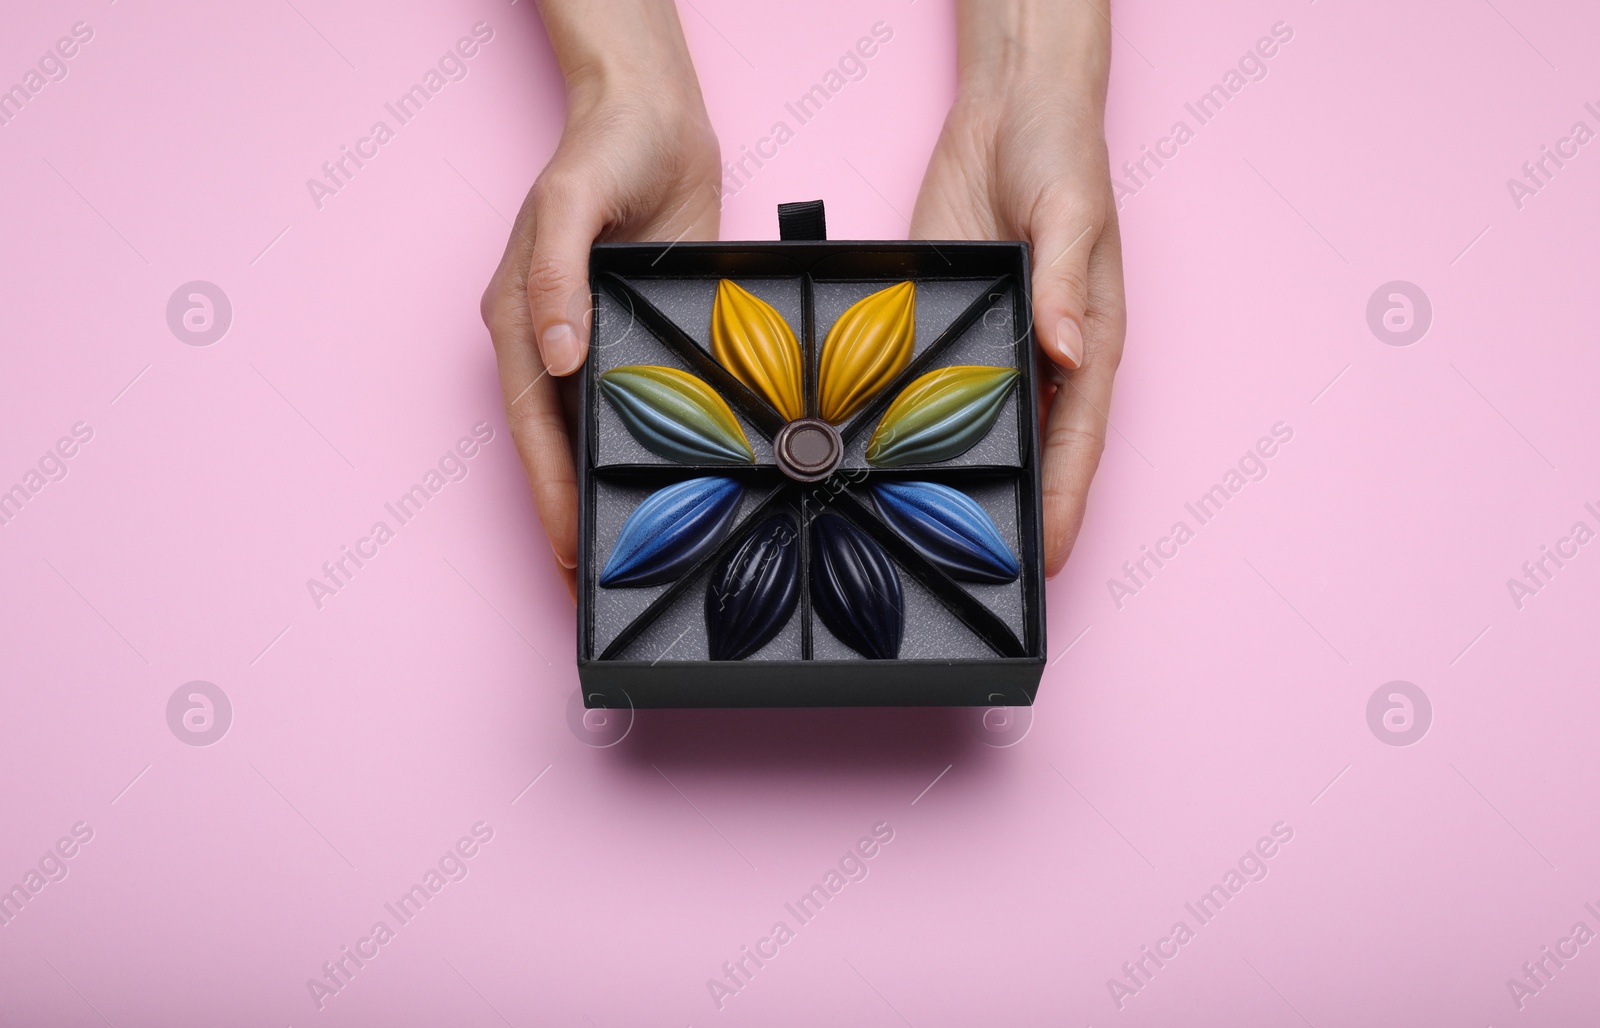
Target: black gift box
column 962, row 643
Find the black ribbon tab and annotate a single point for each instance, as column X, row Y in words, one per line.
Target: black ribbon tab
column 801, row 221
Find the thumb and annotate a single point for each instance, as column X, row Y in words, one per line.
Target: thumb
column 1080, row 323
column 1061, row 289
column 566, row 220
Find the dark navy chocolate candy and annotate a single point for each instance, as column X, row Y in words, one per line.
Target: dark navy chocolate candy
column 753, row 590
column 855, row 589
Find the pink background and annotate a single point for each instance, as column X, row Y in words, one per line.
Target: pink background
column 1229, row 695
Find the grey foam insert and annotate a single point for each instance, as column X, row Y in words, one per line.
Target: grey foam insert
column 615, row 609
column 999, row 500
column 930, row 632
column 622, row 340
column 991, row 340
column 688, row 301
column 939, row 302
column 680, row 632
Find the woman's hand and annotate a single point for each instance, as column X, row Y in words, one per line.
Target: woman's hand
column 637, row 161
column 1023, row 156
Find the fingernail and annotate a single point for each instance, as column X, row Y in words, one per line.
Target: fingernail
column 1069, row 342
column 559, row 348
column 562, row 560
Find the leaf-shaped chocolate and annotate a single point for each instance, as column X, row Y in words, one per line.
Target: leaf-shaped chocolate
column 866, row 348
column 941, row 415
column 676, row 415
column 753, row 590
column 671, row 530
column 855, row 589
column 751, row 340
column 949, row 528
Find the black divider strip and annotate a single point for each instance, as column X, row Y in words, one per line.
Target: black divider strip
column 1030, row 485
column 645, row 474
column 977, row 617
column 805, row 584
column 953, row 331
column 670, row 595
column 808, row 344
column 939, row 473
column 586, row 509
column 739, row 396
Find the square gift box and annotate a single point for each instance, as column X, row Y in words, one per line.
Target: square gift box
column 809, row 475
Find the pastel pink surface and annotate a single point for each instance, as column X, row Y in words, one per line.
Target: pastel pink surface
column 1175, row 727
